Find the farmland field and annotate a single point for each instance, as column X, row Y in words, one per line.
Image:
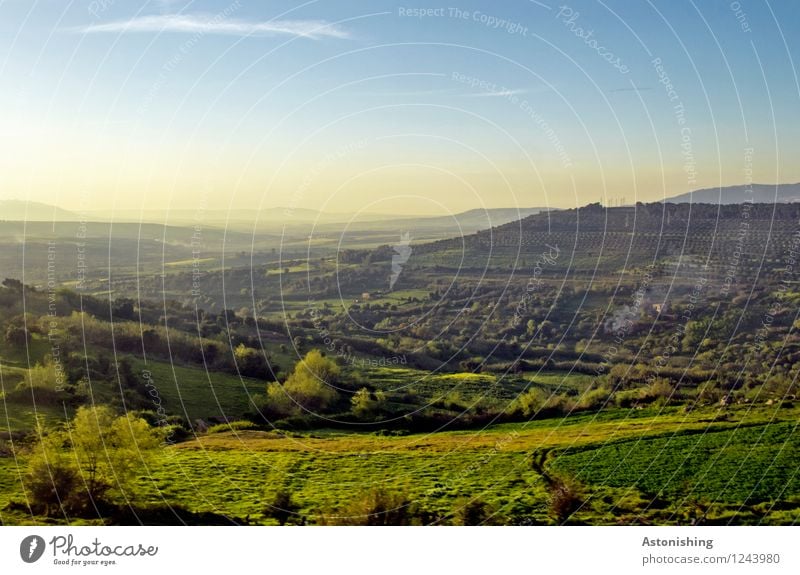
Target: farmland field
column 748, row 464
column 196, row 393
column 633, row 467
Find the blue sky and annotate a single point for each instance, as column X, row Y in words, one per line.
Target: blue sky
column 377, row 105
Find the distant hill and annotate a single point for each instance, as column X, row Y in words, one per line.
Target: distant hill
column 20, row 210
column 480, row 219
column 293, row 216
column 270, row 219
column 221, row 217
column 619, row 238
column 761, row 193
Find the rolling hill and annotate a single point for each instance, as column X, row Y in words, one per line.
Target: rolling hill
column 21, row 210
column 757, row 193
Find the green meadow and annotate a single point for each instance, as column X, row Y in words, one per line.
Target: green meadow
column 665, row 466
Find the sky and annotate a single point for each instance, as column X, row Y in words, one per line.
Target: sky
column 386, row 107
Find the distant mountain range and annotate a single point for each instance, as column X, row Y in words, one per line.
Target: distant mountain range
column 291, row 217
column 757, row 193
column 269, row 219
column 22, row 211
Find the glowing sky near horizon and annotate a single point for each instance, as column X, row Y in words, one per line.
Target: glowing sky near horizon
column 391, row 107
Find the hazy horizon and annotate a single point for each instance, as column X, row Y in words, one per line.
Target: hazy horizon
column 293, row 211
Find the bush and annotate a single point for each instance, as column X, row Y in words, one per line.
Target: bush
column 251, row 362
column 309, row 388
column 472, row 512
column 594, row 399
column 232, row 426
column 282, row 507
column 365, row 405
column 374, row 508
column 565, row 499
column 538, row 403
column 176, row 433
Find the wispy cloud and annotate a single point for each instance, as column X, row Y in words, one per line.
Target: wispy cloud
column 632, row 89
column 497, row 93
column 210, row 24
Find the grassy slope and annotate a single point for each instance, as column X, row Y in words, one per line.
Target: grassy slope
column 195, row 393
column 749, row 455
column 748, row 464
column 185, row 391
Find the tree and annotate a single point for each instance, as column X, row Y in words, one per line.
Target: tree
column 92, row 462
column 365, row 404
column 316, row 365
column 124, row 308
column 695, row 332
column 251, row 363
column 42, row 376
column 17, row 336
column 532, row 401
column 278, row 402
column 309, row 387
column 51, row 481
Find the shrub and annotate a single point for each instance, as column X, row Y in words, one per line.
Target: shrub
column 472, row 512
column 251, row 362
column 365, row 404
column 51, row 482
column 231, row 426
column 282, row 507
column 565, row 499
column 594, row 399
column 373, row 508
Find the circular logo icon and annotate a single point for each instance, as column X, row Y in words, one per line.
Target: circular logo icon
column 31, row 549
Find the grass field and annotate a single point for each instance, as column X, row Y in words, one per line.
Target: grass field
column 187, row 391
column 16, row 417
column 747, row 464
column 469, row 387
column 632, row 466
column 195, row 393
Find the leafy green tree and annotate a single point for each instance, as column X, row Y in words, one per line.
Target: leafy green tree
column 531, row 401
column 278, row 402
column 250, row 361
column 51, row 482
column 17, row 336
column 695, row 333
column 365, row 404
column 309, row 387
column 318, row 366
column 92, row 462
